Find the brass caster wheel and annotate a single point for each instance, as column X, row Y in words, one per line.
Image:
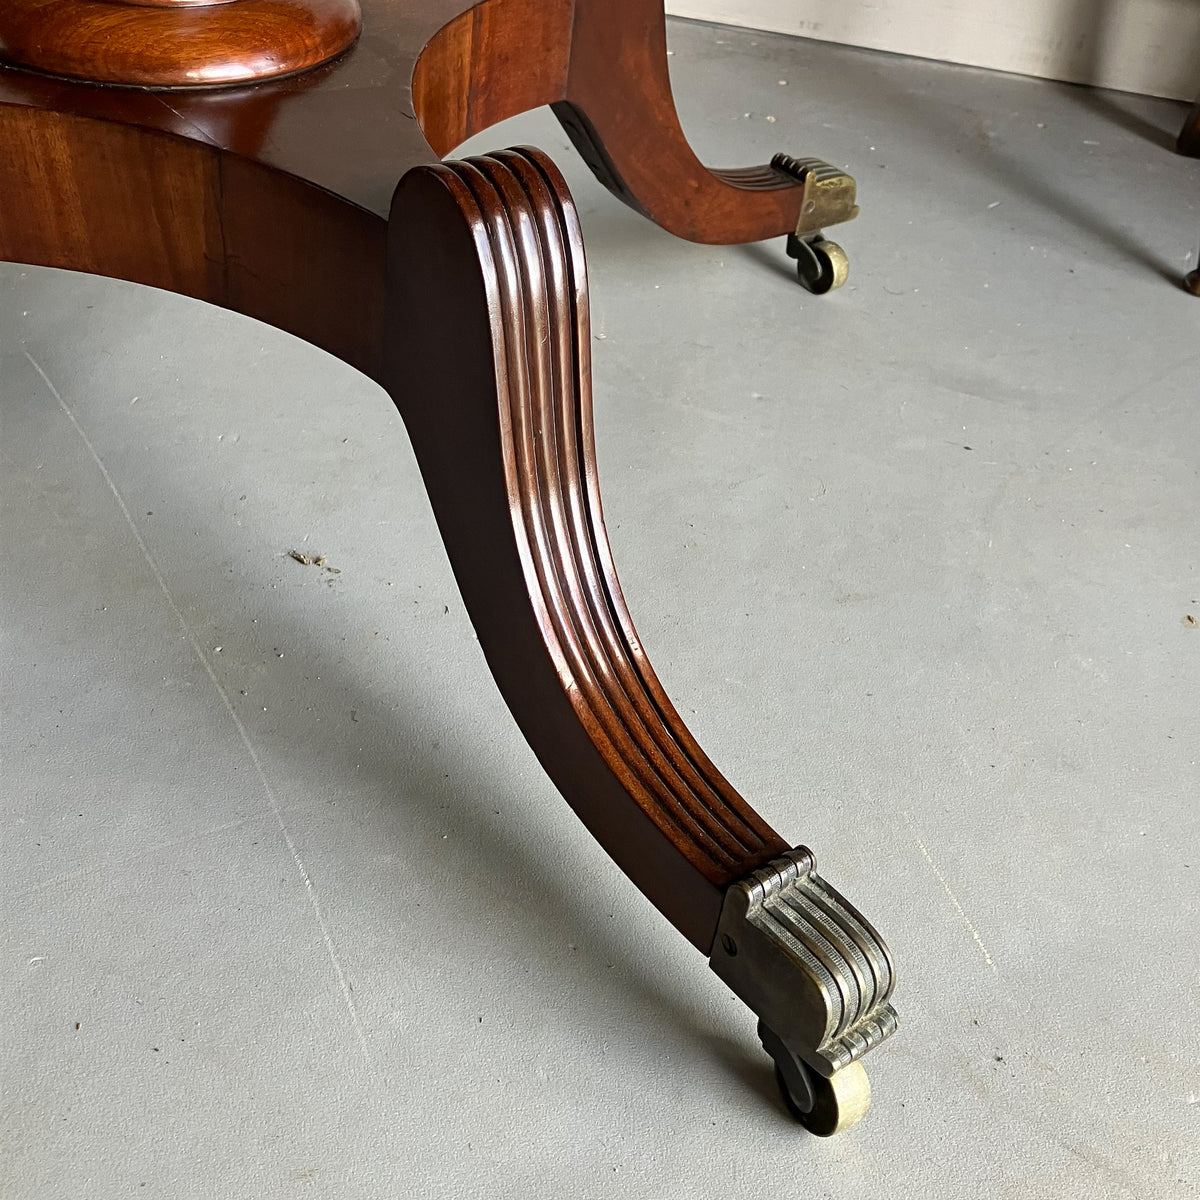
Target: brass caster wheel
column 1191, row 283
column 821, row 266
column 823, row 1106
column 837, row 1104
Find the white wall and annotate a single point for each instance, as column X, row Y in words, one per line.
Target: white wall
column 1150, row 46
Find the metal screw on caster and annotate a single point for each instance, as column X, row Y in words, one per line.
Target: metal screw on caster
column 821, row 265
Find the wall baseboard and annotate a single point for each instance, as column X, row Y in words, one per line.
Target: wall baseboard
column 1146, row 46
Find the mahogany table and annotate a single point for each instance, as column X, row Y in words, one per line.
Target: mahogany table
column 283, row 158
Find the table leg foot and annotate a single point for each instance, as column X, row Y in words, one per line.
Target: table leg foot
column 620, row 113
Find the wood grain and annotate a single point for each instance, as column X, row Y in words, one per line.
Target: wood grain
column 602, row 65
column 176, row 43
column 635, row 145
column 488, row 309
column 349, row 126
column 467, row 297
column 491, row 62
column 173, row 3
column 89, row 195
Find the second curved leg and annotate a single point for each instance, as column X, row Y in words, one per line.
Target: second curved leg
column 620, row 113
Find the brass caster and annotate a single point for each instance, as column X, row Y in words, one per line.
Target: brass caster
column 824, row 1106
column 1191, row 283
column 821, row 265
column 838, row 1103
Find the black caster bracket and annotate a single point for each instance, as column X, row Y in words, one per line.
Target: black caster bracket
column 821, row 265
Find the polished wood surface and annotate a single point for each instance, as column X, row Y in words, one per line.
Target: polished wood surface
column 318, row 202
column 277, row 201
column 603, row 68
column 464, row 79
column 488, row 309
column 99, row 196
column 175, row 43
column 427, row 74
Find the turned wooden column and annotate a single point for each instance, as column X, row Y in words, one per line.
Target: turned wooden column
column 175, row 43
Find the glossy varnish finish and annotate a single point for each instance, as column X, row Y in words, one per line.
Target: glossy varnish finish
column 603, row 67
column 456, row 68
column 175, row 43
column 489, row 308
column 499, row 58
column 466, row 297
column 103, row 197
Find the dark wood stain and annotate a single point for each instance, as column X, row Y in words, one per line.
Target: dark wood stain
column 175, row 43
column 318, row 203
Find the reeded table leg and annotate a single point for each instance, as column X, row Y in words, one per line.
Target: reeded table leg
column 467, row 297
column 488, row 360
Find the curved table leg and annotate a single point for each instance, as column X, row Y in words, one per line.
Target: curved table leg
column 487, row 359
column 620, row 113
column 485, row 348
column 488, row 347
column 602, row 66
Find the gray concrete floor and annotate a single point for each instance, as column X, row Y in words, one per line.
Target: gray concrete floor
column 289, row 908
